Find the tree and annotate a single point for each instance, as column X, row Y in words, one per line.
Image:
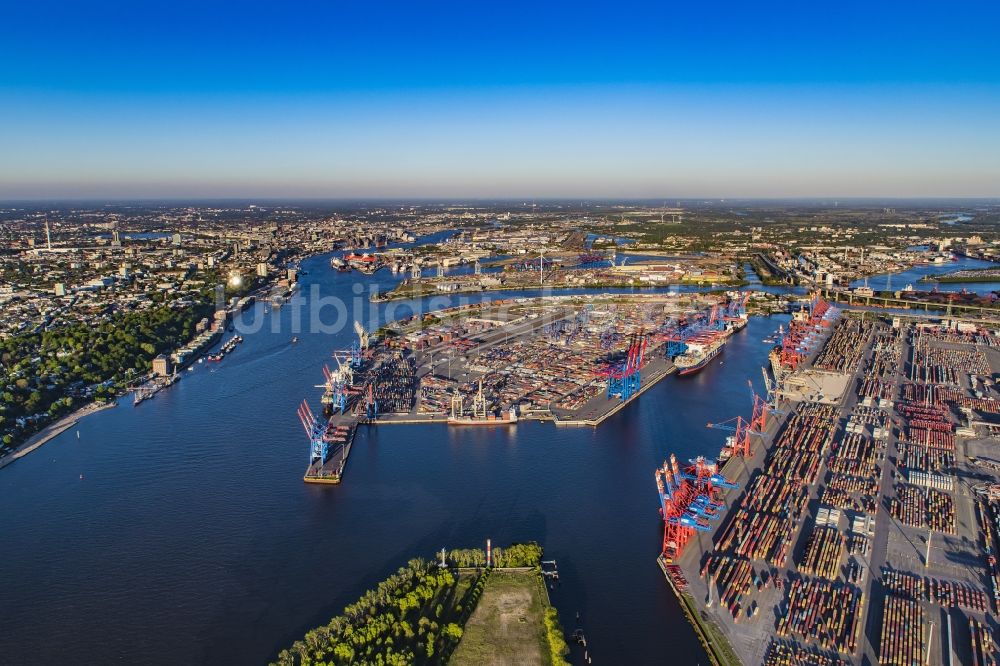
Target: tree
column 558, row 648
column 452, row 631
column 33, row 401
column 343, row 652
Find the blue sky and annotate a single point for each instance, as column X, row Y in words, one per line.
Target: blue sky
column 357, row 99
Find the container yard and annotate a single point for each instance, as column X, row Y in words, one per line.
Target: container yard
column 861, row 528
column 567, row 360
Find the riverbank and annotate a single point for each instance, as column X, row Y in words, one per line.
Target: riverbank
column 719, row 650
column 970, row 276
column 53, row 430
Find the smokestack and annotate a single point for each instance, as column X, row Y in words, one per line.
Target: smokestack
column 489, row 554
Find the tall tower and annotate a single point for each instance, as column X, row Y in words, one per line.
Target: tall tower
column 48, row 235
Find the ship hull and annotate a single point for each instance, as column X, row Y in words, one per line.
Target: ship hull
column 700, row 365
column 480, row 422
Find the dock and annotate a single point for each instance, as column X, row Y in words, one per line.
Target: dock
column 331, row 470
column 600, row 408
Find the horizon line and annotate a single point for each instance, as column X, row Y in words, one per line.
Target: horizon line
column 664, row 200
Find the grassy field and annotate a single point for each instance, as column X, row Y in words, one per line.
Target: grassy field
column 507, row 626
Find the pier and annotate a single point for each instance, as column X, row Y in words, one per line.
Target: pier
column 329, row 468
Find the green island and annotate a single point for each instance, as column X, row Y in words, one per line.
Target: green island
column 463, row 613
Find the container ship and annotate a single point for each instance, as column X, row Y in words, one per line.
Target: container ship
column 508, row 417
column 704, row 347
column 481, row 415
column 701, row 349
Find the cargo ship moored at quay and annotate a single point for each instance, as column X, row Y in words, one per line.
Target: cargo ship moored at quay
column 699, row 354
column 703, row 347
column 508, row 417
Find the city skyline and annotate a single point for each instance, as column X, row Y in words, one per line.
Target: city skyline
column 450, row 101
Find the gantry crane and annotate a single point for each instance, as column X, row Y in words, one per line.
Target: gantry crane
column 739, row 442
column 688, row 501
column 624, row 378
column 316, row 429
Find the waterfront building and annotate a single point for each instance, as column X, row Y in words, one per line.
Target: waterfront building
column 161, row 365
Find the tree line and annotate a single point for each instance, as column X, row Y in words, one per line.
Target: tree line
column 514, row 555
column 404, row 620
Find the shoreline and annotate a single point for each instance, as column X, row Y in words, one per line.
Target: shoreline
column 949, row 278
column 720, row 651
column 53, row 430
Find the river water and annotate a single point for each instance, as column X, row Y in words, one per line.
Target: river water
column 180, row 531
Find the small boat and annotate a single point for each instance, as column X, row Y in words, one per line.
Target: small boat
column 295, row 339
